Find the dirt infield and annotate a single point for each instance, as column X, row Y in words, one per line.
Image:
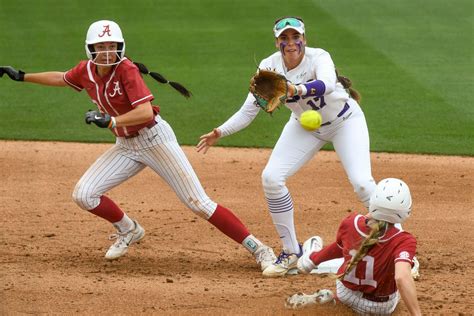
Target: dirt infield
column 51, row 252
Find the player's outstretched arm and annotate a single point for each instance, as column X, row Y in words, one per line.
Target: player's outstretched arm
column 52, row 78
column 406, row 287
column 208, row 140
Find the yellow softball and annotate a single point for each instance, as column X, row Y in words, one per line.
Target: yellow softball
column 310, row 120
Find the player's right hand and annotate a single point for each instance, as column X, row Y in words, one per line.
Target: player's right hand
column 102, row 120
column 14, row 74
column 305, row 265
column 207, row 140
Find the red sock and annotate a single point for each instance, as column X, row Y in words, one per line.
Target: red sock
column 229, row 224
column 108, row 210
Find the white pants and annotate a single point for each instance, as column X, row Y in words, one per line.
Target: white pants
column 354, row 300
column 296, row 146
column 156, row 148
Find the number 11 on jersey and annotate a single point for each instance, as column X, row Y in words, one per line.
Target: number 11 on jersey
column 369, row 272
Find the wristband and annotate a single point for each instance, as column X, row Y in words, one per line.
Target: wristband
column 113, row 122
column 301, row 89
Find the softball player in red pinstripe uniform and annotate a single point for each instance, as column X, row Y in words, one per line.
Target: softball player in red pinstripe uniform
column 143, row 139
column 377, row 256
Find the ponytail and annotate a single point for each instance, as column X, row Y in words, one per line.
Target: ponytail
column 158, row 77
column 377, row 229
column 347, row 84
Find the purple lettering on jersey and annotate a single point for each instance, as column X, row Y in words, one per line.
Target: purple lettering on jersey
column 315, row 88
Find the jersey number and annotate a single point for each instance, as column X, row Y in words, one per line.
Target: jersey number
column 369, row 272
column 316, row 103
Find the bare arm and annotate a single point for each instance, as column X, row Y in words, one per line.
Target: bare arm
column 406, row 287
column 139, row 115
column 52, row 78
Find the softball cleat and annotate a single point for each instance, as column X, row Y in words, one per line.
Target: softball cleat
column 264, row 256
column 286, row 263
column 124, row 240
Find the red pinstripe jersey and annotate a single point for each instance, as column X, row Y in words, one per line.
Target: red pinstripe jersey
column 375, row 273
column 119, row 92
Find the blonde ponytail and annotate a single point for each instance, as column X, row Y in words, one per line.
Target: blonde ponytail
column 377, row 230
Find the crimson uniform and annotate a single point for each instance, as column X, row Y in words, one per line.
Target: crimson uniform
column 370, row 287
column 151, row 144
column 116, row 93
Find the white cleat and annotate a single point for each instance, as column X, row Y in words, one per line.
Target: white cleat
column 264, row 256
column 301, row 300
column 415, row 271
column 124, row 240
column 286, row 263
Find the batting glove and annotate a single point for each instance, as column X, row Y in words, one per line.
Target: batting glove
column 14, row 74
column 103, row 120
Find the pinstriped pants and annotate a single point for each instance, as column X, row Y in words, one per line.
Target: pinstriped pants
column 156, row 148
column 354, row 300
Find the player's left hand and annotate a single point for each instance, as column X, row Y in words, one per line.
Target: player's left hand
column 14, row 74
column 207, row 140
column 103, row 120
column 292, row 90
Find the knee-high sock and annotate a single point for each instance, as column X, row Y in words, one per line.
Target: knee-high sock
column 108, row 210
column 281, row 210
column 111, row 212
column 229, row 224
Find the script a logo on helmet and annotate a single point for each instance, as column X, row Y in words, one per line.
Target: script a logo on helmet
column 106, row 30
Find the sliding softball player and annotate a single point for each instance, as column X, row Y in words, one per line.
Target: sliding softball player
column 143, row 139
column 378, row 256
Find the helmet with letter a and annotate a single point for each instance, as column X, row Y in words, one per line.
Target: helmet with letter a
column 101, row 32
column 391, row 201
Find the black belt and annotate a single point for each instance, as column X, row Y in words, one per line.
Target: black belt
column 373, row 298
column 152, row 123
column 344, row 110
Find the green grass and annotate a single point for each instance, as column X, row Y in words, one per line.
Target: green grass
column 411, row 60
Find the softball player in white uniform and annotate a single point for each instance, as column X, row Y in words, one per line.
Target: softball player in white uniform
column 315, row 85
column 143, row 139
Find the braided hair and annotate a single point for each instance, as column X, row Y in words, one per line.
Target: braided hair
column 377, row 229
column 347, row 84
column 161, row 79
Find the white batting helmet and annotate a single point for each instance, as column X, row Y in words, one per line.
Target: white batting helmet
column 391, row 201
column 105, row 31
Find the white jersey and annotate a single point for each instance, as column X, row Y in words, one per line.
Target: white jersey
column 316, row 65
